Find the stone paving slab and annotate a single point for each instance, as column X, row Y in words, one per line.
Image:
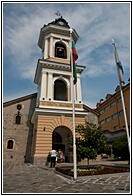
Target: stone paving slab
column 26, row 178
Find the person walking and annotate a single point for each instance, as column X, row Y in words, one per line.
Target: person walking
column 53, row 157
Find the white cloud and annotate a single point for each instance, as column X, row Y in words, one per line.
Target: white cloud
column 111, row 22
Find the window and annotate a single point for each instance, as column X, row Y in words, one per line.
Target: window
column 119, row 100
column 60, row 50
column 101, row 111
column 112, row 104
column 114, row 116
column 19, row 106
column 18, row 119
column 10, row 144
column 121, row 112
column 108, row 119
column 106, row 108
column 60, row 90
column 116, row 128
column 102, row 122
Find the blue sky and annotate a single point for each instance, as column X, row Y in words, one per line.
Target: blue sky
column 96, row 24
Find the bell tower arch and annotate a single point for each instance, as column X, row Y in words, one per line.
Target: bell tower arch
column 60, row 50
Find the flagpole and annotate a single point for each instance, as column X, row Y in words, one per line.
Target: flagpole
column 121, row 92
column 73, row 111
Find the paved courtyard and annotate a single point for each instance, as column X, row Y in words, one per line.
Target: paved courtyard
column 26, row 178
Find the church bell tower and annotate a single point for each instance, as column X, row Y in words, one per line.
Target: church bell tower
column 52, row 117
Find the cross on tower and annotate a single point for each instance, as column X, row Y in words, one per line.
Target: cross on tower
column 58, row 13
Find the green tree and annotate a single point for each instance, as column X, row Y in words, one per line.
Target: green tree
column 120, row 148
column 89, row 141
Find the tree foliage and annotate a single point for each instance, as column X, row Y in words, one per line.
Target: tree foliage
column 89, row 141
column 120, row 148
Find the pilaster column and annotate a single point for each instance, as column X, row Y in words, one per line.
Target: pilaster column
column 70, row 44
column 38, row 95
column 46, row 49
column 43, row 86
column 79, row 93
column 51, row 47
column 68, row 93
column 50, row 86
column 71, row 89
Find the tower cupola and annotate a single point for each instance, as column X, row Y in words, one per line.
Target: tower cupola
column 54, row 40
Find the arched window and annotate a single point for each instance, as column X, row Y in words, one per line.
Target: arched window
column 60, row 50
column 18, row 119
column 60, row 90
column 10, row 144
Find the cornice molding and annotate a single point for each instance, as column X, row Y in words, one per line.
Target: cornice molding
column 56, row 112
column 53, row 67
column 58, row 30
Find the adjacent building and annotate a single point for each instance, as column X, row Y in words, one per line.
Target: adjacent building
column 111, row 116
column 18, row 129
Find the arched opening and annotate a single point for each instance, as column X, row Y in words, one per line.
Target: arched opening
column 60, row 90
column 60, row 50
column 18, row 119
column 60, row 141
column 57, row 141
column 10, row 144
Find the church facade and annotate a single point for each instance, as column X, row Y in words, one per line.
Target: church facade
column 34, row 124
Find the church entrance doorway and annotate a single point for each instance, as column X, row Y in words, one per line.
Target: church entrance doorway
column 59, row 140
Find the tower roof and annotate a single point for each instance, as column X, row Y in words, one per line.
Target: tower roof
column 58, row 26
column 61, row 22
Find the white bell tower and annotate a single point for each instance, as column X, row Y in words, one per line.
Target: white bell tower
column 53, row 71
column 52, row 116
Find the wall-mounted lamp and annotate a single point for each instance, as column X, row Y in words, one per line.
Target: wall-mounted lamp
column 44, row 129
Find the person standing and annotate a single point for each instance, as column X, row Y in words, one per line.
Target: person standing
column 61, row 156
column 56, row 160
column 53, row 157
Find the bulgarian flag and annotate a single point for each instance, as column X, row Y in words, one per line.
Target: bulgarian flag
column 74, row 58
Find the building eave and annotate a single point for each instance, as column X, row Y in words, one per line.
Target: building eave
column 20, row 99
column 116, row 94
column 90, row 109
column 114, row 131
